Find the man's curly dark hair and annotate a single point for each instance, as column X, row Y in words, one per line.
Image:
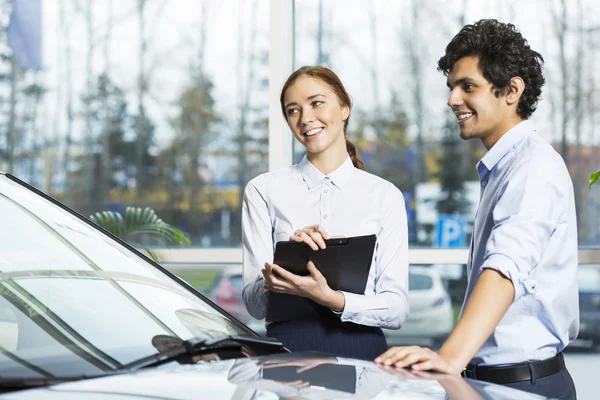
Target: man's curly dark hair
column 503, row 54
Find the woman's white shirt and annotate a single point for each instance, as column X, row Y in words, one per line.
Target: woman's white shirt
column 346, row 202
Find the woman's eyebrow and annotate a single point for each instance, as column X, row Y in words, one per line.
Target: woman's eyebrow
column 308, row 98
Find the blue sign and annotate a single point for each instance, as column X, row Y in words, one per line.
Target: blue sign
column 450, row 232
column 24, row 33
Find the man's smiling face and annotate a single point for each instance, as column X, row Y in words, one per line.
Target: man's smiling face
column 480, row 114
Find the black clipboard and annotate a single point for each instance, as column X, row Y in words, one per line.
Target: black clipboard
column 345, row 263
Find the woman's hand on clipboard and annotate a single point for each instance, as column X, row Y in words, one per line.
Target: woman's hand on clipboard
column 312, row 235
column 313, row 286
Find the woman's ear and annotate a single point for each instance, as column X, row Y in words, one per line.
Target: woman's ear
column 517, row 86
column 345, row 112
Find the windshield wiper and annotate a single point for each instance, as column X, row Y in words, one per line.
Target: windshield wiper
column 197, row 346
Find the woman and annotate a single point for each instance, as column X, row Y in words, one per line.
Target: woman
column 327, row 194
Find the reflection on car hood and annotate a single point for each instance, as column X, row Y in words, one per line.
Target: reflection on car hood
column 273, row 377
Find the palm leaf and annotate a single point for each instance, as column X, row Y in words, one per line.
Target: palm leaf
column 140, row 222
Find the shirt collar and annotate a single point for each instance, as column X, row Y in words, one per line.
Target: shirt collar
column 312, row 176
column 507, row 142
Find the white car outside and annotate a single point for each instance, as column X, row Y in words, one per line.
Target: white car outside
column 430, row 318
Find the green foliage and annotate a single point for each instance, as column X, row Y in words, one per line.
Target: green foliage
column 453, row 173
column 108, row 108
column 110, row 153
column 594, row 178
column 391, row 147
column 140, row 222
column 199, row 279
column 195, row 125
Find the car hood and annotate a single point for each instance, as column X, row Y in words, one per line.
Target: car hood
column 273, row 377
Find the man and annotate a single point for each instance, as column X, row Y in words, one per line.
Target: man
column 521, row 305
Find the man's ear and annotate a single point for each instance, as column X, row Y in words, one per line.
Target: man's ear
column 517, row 86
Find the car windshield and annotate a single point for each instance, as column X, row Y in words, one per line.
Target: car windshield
column 74, row 301
column 419, row 281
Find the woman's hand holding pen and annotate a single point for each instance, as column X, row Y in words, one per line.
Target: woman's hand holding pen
column 313, row 286
column 312, row 235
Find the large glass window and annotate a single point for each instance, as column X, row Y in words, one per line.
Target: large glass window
column 386, row 54
column 165, row 104
column 141, row 103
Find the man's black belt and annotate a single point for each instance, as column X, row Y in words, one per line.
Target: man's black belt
column 526, row 371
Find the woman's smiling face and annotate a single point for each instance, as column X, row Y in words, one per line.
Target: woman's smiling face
column 315, row 116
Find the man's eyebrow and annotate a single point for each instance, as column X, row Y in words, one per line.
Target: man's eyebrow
column 460, row 81
column 308, row 98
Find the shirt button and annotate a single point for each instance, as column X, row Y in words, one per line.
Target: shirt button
column 325, row 191
column 483, row 183
column 325, row 216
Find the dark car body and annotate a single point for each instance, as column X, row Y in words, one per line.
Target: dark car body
column 85, row 316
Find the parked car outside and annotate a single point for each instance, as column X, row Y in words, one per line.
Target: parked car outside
column 227, row 292
column 589, row 303
column 85, row 316
column 431, row 317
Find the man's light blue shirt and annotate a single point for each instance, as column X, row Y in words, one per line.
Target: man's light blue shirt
column 526, row 229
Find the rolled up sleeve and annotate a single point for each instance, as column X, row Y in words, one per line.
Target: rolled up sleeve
column 388, row 306
column 257, row 247
column 525, row 218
